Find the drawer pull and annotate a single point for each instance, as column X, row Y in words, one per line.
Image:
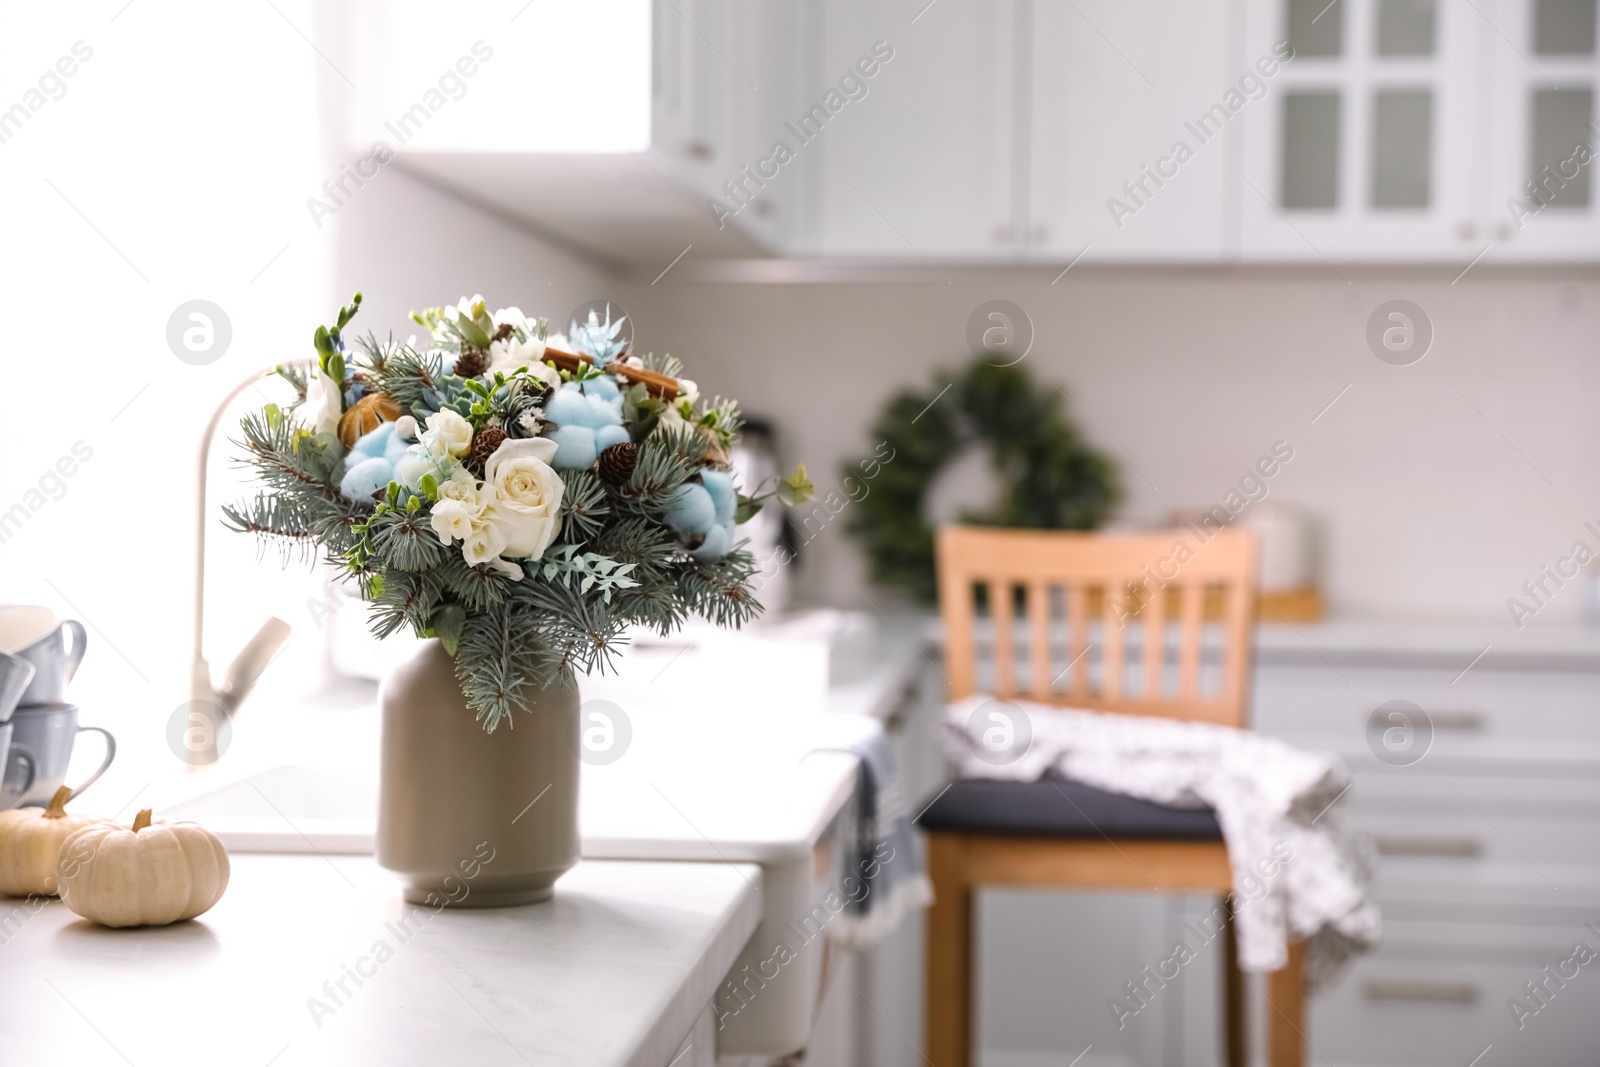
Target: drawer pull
column 1397, row 845
column 1457, row 720
column 1420, row 989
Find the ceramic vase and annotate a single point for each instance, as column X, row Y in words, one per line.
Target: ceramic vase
column 471, row 819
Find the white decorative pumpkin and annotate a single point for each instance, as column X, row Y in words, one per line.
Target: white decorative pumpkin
column 149, row 875
column 30, row 842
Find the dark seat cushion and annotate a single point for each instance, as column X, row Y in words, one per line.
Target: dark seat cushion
column 1059, row 807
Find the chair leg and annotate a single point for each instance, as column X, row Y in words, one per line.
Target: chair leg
column 1286, row 1011
column 1235, row 1039
column 947, row 1006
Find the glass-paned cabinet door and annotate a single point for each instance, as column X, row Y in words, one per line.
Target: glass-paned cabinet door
column 1365, row 145
column 1542, row 204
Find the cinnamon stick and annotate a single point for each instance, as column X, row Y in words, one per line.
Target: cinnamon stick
column 658, row 384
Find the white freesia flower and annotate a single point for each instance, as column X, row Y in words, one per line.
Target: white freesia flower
column 483, row 544
column 527, row 494
column 449, row 434
column 323, row 405
column 509, row 354
column 451, row 521
column 510, row 317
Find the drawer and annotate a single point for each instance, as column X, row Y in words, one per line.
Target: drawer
column 1519, row 706
column 1440, row 997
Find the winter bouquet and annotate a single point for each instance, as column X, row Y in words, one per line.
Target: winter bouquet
column 524, row 497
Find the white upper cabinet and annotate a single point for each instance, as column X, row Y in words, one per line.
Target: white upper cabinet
column 1372, row 137
column 920, row 158
column 1543, row 190
column 1402, row 128
column 1131, row 154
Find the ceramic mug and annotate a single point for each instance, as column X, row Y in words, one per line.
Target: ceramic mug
column 15, row 675
column 26, row 775
column 41, row 745
column 35, row 634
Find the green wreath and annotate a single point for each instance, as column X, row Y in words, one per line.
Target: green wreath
column 1052, row 480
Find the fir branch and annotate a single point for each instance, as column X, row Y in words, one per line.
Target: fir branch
column 404, row 540
column 583, row 506
column 497, row 657
column 408, row 376
column 666, row 458
column 478, row 588
column 275, row 519
column 665, row 363
column 719, row 590
column 404, row 600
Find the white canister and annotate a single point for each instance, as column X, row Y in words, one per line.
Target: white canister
column 1283, row 536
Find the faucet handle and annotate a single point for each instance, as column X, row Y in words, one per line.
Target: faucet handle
column 247, row 666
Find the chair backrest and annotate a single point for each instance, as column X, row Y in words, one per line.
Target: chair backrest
column 1081, row 601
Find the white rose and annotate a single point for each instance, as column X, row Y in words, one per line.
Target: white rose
column 449, row 434
column 527, row 494
column 451, row 521
column 323, row 405
column 462, row 488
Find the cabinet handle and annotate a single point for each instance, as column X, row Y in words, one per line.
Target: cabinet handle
column 1423, row 845
column 697, row 150
column 1421, row 989
column 1003, row 235
column 1039, row 235
column 1466, row 230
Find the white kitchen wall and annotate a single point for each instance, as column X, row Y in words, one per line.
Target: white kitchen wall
column 1440, row 487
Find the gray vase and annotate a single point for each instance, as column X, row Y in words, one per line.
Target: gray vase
column 471, row 819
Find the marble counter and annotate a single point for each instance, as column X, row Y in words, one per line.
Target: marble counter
column 315, row 960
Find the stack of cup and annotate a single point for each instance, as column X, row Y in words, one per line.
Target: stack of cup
column 39, row 654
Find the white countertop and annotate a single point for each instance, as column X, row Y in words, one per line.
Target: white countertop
column 614, row 970
column 1406, row 643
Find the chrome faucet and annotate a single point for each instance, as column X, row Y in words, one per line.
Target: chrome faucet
column 246, row 668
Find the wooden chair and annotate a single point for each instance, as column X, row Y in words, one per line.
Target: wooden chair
column 1070, row 592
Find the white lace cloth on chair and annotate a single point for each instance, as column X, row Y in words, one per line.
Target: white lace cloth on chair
column 1271, row 800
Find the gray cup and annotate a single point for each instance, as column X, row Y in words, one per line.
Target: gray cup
column 35, row 635
column 15, row 674
column 41, row 745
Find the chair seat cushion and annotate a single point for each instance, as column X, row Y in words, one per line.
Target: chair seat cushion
column 1059, row 807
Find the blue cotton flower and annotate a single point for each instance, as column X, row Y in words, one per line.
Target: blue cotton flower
column 723, row 495
column 718, row 542
column 588, row 420
column 370, row 465
column 690, row 510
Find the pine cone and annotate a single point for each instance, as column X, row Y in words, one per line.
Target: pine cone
column 471, row 363
column 505, row 331
column 483, row 447
column 617, row 462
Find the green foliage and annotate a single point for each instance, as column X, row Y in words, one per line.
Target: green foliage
column 590, row 569
column 409, row 376
column 1051, row 479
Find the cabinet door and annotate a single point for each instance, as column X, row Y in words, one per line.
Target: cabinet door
column 1116, row 166
column 1542, row 200
column 1371, row 137
column 922, row 166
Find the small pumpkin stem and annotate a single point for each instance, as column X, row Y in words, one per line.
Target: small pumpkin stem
column 141, row 820
column 58, row 804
